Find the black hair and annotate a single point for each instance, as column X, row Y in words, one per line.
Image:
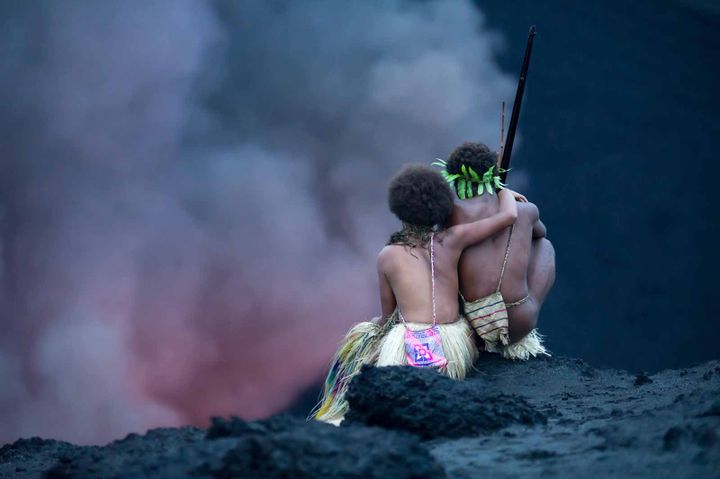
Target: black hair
column 421, row 198
column 478, row 156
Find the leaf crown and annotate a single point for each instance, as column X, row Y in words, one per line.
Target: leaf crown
column 462, row 182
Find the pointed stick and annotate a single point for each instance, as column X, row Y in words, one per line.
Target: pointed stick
column 515, row 115
column 502, row 134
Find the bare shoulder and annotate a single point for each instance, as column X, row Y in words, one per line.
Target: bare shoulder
column 528, row 212
column 450, row 237
column 387, row 256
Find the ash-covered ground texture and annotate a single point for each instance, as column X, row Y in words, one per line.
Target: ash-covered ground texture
column 554, row 417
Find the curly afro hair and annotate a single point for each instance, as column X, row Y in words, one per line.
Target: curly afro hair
column 475, row 155
column 420, row 196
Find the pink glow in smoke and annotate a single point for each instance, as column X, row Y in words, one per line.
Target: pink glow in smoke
column 197, row 199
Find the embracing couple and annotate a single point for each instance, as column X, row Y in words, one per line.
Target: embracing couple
column 468, row 271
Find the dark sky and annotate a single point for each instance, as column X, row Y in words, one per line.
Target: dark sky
column 620, row 139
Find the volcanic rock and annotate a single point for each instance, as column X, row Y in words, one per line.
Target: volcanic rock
column 430, row 405
column 552, row 417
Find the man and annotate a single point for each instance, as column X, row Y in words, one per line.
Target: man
column 418, row 275
column 504, row 279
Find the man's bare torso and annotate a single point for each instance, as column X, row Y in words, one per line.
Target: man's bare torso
column 480, row 264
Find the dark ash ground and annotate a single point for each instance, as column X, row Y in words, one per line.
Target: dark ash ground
column 552, row 418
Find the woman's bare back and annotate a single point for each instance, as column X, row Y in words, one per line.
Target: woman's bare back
column 408, row 271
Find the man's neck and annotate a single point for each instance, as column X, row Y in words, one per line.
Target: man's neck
column 485, row 198
column 474, row 208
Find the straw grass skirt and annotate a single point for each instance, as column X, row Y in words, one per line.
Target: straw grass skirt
column 457, row 341
column 368, row 343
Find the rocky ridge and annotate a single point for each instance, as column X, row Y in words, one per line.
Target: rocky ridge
column 554, row 417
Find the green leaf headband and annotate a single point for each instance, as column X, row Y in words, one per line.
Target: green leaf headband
column 462, row 182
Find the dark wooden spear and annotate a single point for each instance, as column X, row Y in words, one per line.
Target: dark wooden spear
column 507, row 150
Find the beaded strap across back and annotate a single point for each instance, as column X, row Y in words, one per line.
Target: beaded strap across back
column 423, row 348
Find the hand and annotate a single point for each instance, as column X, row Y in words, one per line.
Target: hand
column 518, row 197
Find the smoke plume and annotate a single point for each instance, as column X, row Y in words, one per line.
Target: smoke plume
column 193, row 194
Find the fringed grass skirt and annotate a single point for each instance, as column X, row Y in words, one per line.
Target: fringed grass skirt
column 489, row 318
column 359, row 347
column 457, row 341
column 528, row 347
column 368, row 343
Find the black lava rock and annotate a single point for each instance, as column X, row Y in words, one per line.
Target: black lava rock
column 604, row 427
column 319, row 450
column 280, row 447
column 713, row 410
column 704, row 436
column 430, row 405
column 642, row 378
column 233, row 427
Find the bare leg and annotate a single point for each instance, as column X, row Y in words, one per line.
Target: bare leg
column 541, row 270
column 541, row 276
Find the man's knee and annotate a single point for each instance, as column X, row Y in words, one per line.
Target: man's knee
column 522, row 329
column 522, row 324
column 544, row 248
column 541, row 270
